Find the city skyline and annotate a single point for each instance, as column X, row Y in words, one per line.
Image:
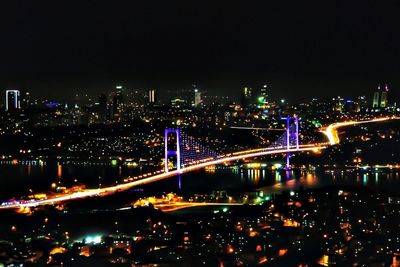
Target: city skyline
column 164, row 97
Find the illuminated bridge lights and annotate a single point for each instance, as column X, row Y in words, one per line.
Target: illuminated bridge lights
column 150, row 179
column 193, row 151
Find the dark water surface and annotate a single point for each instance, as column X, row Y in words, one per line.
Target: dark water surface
column 16, row 180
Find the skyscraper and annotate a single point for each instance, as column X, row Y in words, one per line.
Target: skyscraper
column 264, row 93
column 118, row 101
column 197, row 97
column 247, row 96
column 194, row 97
column 247, row 92
column 26, row 101
column 12, row 100
column 384, row 97
column 152, row 96
column 375, row 102
column 380, row 97
column 362, row 103
column 262, row 100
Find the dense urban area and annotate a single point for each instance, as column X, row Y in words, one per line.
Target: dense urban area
column 278, row 225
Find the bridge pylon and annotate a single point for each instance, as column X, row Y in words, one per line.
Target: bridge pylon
column 290, row 133
column 174, row 152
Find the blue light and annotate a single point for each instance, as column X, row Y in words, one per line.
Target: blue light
column 52, row 104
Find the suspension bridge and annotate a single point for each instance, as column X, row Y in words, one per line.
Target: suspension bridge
column 186, row 155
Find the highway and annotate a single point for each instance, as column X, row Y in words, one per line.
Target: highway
column 171, row 207
column 330, row 131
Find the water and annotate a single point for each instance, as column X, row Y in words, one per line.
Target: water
column 17, row 180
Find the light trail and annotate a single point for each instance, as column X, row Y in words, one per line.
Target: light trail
column 331, row 130
column 171, row 207
column 122, row 187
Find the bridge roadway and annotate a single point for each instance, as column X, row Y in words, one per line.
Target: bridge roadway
column 330, row 131
column 125, row 186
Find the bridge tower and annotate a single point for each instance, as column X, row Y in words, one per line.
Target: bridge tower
column 290, row 134
column 174, row 152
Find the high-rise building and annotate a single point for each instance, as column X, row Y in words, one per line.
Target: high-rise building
column 375, row 102
column 264, row 93
column 380, row 97
column 384, row 97
column 118, row 101
column 247, row 91
column 12, row 100
column 247, row 96
column 197, row 97
column 26, row 100
column 152, row 96
column 362, row 103
column 193, row 97
column 262, row 100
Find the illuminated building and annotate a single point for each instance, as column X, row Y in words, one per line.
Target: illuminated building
column 362, row 103
column 263, row 98
column 338, row 104
column 12, row 100
column 194, row 97
column 152, row 96
column 383, row 100
column 247, row 96
column 380, row 97
column 247, row 91
column 197, row 97
column 178, row 102
column 375, row 102
column 118, row 102
column 264, row 92
column 27, row 100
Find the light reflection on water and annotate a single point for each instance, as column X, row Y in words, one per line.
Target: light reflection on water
column 385, row 180
column 19, row 179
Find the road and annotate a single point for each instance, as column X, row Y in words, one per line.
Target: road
column 331, row 130
column 171, row 207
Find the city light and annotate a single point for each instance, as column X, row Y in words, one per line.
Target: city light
column 93, row 239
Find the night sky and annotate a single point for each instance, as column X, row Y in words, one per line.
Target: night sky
column 301, row 48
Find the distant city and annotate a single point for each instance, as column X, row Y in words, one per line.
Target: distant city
column 121, row 102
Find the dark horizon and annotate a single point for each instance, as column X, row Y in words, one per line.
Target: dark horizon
column 300, row 50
